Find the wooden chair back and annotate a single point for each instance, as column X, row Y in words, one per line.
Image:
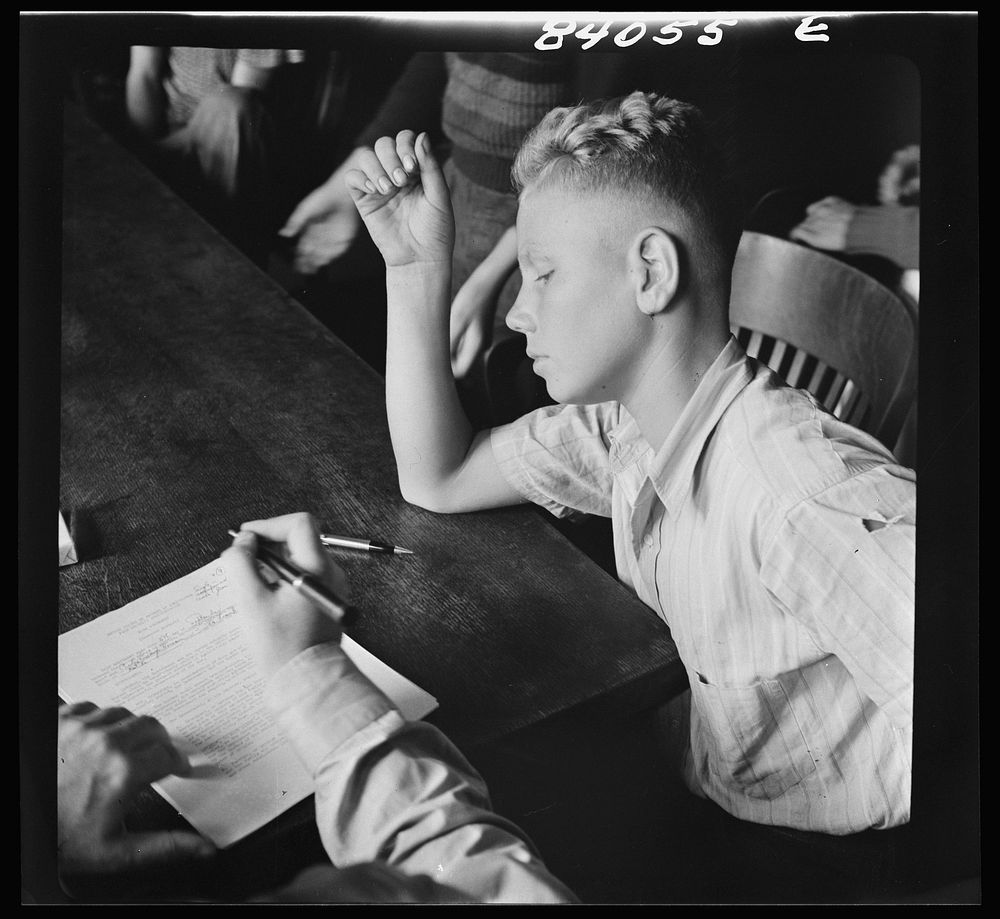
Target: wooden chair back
column 828, row 328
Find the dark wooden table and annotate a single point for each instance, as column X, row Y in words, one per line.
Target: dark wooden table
column 196, row 394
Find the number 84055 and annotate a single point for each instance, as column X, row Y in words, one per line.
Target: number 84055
column 554, row 31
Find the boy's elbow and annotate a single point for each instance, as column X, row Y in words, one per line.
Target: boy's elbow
column 435, row 500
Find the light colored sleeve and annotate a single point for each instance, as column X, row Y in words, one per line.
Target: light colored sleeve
column 270, row 57
column 889, row 230
column 558, row 457
column 398, row 792
column 842, row 562
column 254, row 68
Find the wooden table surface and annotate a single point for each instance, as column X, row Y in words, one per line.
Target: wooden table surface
column 197, row 394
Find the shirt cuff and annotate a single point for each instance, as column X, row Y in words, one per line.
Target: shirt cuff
column 321, row 700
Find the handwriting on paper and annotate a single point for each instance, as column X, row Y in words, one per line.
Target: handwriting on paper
column 180, row 654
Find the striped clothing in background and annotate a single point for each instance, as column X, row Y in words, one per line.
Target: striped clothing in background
column 484, row 102
column 492, row 101
column 195, row 73
column 778, row 545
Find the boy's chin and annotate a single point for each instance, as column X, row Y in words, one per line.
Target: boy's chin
column 571, row 395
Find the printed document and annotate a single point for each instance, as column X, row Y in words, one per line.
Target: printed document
column 179, row 654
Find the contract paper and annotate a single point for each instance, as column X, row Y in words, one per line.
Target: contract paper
column 180, row 655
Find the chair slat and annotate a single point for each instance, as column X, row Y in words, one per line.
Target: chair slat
column 819, row 323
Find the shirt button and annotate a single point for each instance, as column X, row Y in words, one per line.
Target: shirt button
column 647, row 541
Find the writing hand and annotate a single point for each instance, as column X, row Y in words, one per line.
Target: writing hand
column 402, row 197
column 105, row 757
column 280, row 622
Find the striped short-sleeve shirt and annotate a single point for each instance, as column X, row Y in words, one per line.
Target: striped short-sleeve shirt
column 779, row 546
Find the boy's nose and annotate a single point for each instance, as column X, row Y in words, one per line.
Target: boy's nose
column 519, row 318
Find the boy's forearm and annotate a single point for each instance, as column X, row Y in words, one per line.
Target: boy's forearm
column 430, row 432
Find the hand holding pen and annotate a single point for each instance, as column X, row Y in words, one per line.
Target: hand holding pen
column 308, row 605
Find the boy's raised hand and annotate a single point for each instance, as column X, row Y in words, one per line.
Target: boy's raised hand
column 402, row 197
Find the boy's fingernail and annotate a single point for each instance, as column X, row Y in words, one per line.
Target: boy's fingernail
column 384, row 184
column 409, row 162
column 399, row 177
column 370, row 185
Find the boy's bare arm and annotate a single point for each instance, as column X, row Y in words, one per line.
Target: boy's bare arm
column 402, row 197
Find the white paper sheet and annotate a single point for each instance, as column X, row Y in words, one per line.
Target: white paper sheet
column 180, row 655
column 67, row 549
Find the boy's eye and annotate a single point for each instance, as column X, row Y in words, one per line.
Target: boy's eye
column 543, row 277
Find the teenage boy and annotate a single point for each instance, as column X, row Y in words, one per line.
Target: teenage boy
column 776, row 542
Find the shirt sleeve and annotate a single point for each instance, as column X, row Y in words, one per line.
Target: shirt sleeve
column 398, row 792
column 559, row 457
column 892, row 231
column 268, row 58
column 842, row 562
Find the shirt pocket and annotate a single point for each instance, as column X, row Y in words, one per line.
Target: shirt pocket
column 749, row 737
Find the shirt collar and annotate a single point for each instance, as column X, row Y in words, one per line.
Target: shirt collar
column 671, row 469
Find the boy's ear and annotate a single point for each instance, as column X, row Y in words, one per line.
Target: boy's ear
column 656, row 268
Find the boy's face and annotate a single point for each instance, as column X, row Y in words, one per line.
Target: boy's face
column 577, row 307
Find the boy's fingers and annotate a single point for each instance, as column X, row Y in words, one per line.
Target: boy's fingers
column 377, row 182
column 385, row 150
column 358, row 184
column 431, row 176
column 404, row 150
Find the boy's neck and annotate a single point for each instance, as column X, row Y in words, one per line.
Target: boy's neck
column 673, row 369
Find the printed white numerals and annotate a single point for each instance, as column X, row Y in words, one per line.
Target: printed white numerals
column 674, row 32
column 556, row 30
column 590, row 37
column 713, row 34
column 552, row 35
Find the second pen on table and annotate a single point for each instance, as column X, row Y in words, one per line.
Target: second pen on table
column 305, row 583
column 366, row 545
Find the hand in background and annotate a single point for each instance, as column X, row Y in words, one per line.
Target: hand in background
column 106, row 756
column 402, row 197
column 326, row 223
column 826, row 224
column 474, row 308
column 280, row 622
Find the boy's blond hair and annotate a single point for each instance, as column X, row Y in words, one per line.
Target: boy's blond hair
column 641, row 144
